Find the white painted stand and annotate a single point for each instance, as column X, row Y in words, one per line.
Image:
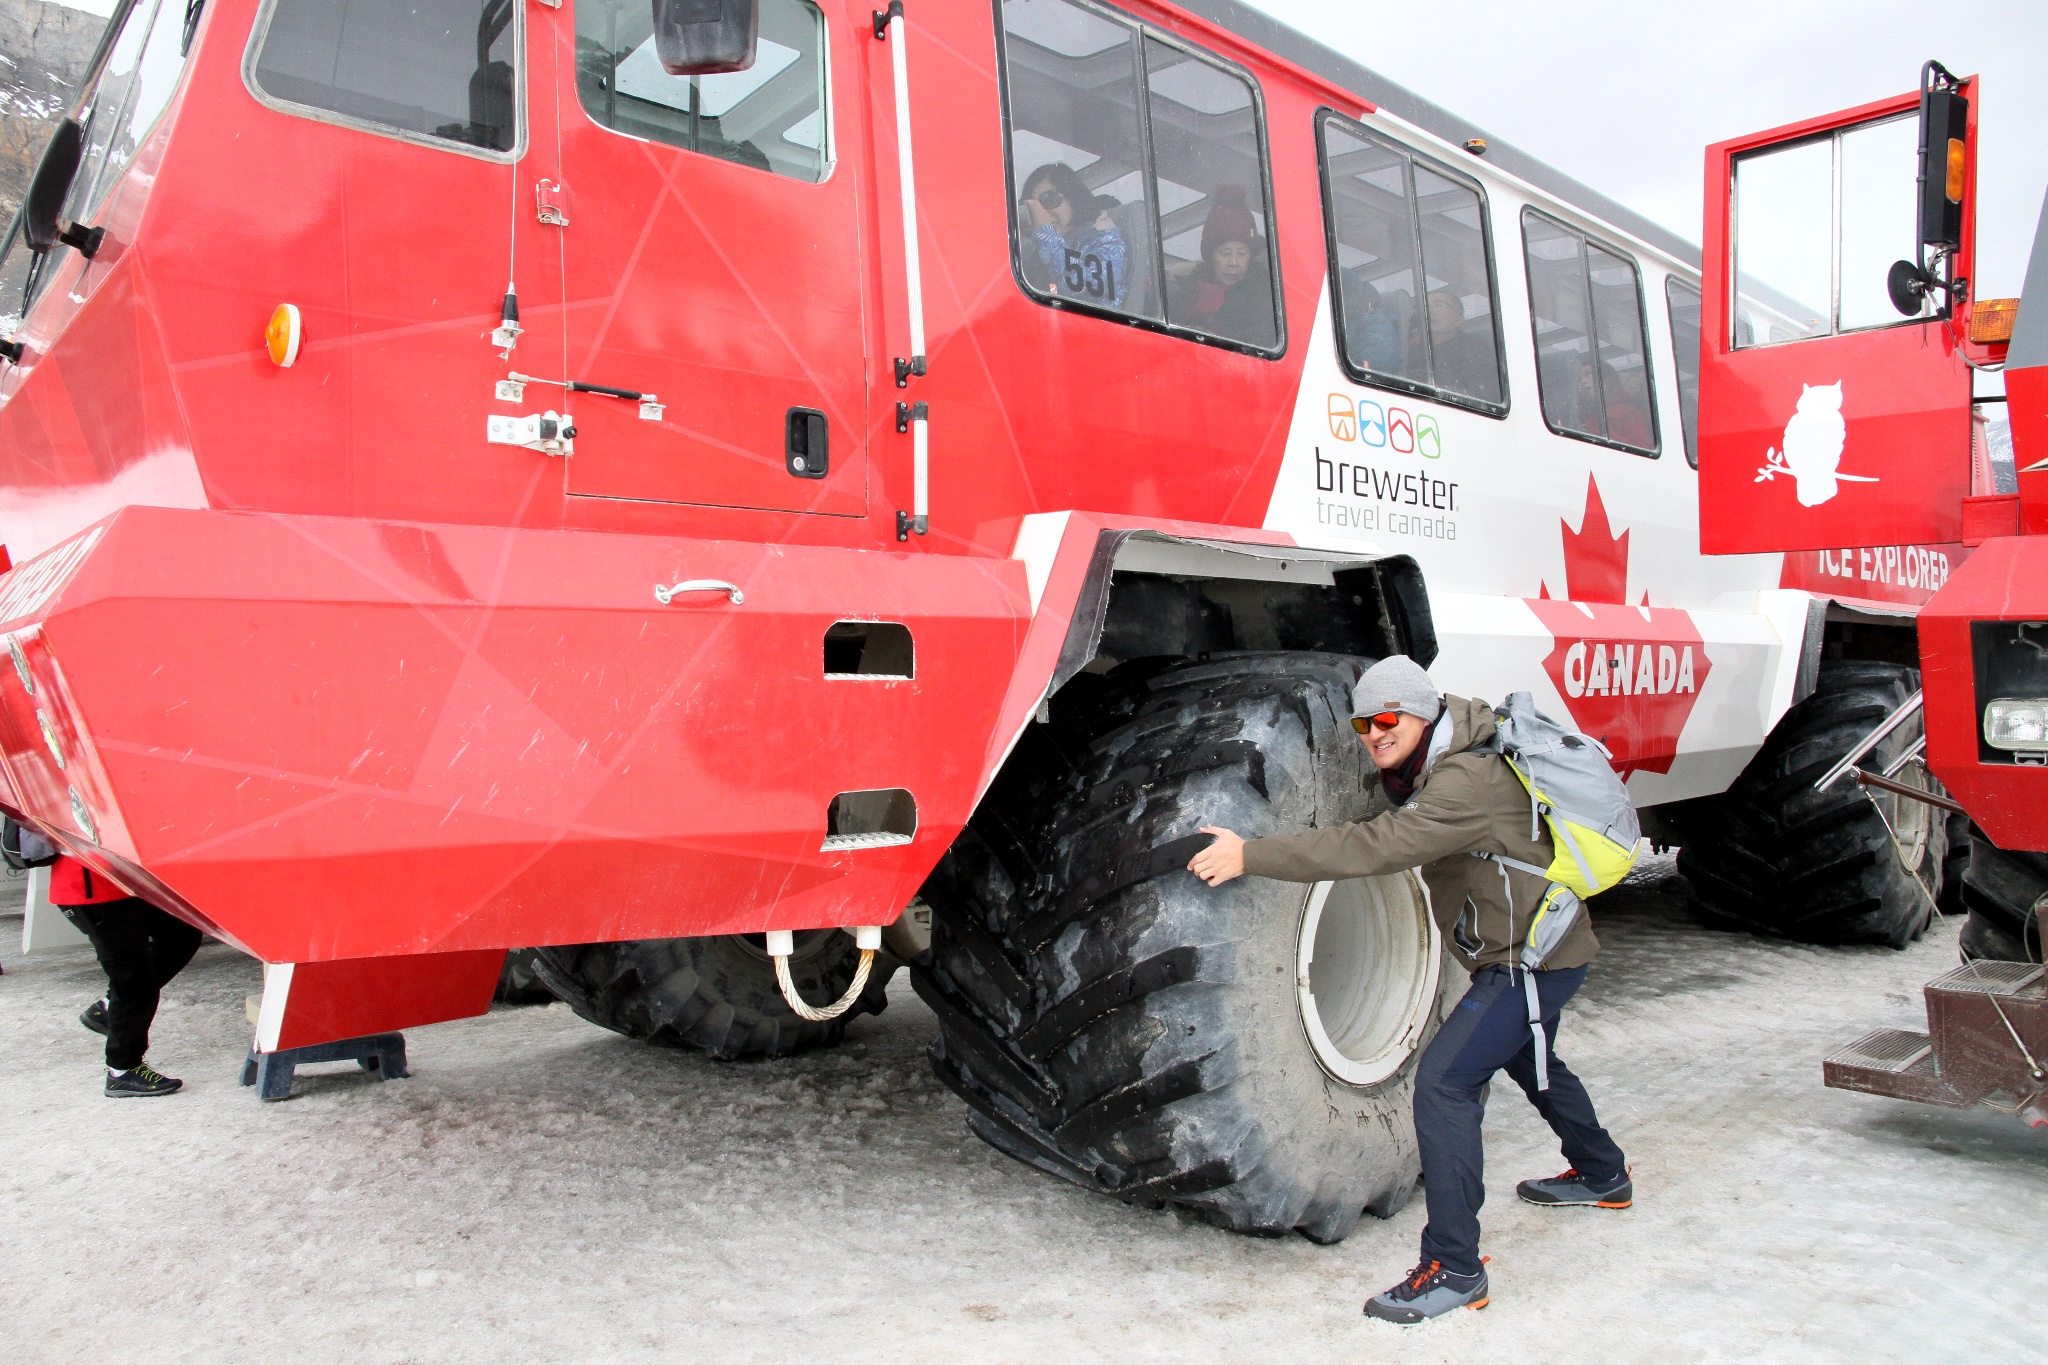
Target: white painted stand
column 43, row 926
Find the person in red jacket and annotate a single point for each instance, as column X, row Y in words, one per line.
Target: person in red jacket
column 140, row 948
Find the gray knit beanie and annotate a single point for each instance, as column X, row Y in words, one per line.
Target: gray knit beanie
column 1396, row 683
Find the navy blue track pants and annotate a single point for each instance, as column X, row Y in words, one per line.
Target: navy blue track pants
column 1486, row 1033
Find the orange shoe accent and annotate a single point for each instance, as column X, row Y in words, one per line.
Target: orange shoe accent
column 1481, row 1304
column 1614, row 1203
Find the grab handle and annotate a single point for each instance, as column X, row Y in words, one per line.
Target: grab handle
column 666, row 595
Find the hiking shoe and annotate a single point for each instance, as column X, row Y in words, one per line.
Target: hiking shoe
column 95, row 1017
column 1428, row 1291
column 1573, row 1188
column 142, row 1079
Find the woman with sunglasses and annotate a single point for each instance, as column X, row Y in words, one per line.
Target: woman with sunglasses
column 1451, row 795
column 1076, row 249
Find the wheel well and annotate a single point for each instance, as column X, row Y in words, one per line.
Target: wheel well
column 1149, row 614
column 1876, row 639
column 1151, row 596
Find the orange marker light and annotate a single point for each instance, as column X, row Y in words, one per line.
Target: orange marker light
column 1991, row 320
column 1955, row 170
column 283, row 334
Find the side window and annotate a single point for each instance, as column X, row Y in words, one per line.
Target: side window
column 1587, row 302
column 770, row 116
column 1684, row 302
column 1817, row 226
column 1411, row 271
column 135, row 88
column 426, row 70
column 144, row 55
column 1138, row 175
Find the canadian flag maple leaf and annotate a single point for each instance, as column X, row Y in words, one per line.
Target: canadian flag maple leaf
column 1629, row 675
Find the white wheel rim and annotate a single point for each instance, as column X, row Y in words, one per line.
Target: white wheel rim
column 1912, row 823
column 1366, row 965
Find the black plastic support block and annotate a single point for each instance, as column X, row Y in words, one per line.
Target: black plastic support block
column 380, row 1054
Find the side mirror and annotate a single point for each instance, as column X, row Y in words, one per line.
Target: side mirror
column 46, row 192
column 705, row 37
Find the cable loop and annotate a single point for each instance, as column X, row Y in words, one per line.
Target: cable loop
column 838, row 1007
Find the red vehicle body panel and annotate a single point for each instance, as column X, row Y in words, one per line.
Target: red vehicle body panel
column 511, row 742
column 2004, row 581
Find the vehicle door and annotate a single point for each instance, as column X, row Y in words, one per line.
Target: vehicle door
column 1834, row 395
column 712, row 256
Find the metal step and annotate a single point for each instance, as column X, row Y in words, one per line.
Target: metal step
column 1973, row 1013
column 1884, row 1049
column 1890, row 1061
column 2020, row 980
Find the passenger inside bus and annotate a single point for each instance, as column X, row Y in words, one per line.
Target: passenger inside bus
column 1229, row 292
column 1124, row 128
column 1627, row 420
column 1372, row 333
column 1465, row 359
column 1077, row 248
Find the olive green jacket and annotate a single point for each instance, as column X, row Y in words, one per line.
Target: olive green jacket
column 1464, row 802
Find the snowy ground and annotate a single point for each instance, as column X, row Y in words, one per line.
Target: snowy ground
column 541, row 1190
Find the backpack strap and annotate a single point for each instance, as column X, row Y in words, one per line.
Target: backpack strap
column 1516, row 863
column 1536, row 1030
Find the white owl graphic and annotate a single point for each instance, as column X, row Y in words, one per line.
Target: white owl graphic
column 1813, row 447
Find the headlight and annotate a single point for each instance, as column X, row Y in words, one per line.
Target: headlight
column 2017, row 724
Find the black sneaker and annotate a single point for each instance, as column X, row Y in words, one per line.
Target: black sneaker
column 95, row 1017
column 1573, row 1188
column 142, row 1079
column 1428, row 1291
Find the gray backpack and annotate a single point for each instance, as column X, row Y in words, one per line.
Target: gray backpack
column 1594, row 832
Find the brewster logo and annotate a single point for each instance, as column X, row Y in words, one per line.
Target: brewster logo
column 1387, row 428
column 1629, row 674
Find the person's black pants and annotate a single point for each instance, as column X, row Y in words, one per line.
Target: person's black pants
column 140, row 948
column 1486, row 1033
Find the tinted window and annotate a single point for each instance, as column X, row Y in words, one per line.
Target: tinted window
column 1152, row 207
column 1684, row 303
column 770, row 116
column 438, row 69
column 135, row 88
column 144, row 58
column 1587, row 302
column 1412, row 271
column 1817, row 226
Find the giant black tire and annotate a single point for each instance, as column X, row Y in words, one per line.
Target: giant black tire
column 1956, row 865
column 519, row 980
column 2002, row 891
column 1773, row 854
column 717, row 994
column 1111, row 1020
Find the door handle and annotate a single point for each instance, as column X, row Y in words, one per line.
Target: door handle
column 666, row 595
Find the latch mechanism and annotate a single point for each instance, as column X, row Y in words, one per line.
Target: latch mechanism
column 551, row 433
column 549, row 214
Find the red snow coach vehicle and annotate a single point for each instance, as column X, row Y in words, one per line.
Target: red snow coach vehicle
column 667, row 481
column 1855, row 423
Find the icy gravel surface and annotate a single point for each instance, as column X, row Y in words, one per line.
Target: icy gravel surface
column 541, row 1190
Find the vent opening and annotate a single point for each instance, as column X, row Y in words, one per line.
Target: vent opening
column 870, row 819
column 869, row 649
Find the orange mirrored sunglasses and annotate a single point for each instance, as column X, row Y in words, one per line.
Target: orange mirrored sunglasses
column 1385, row 720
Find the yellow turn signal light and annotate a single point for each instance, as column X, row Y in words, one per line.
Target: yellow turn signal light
column 1955, row 170
column 1991, row 320
column 283, row 335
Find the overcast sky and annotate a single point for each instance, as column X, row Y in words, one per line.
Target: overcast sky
column 1626, row 94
